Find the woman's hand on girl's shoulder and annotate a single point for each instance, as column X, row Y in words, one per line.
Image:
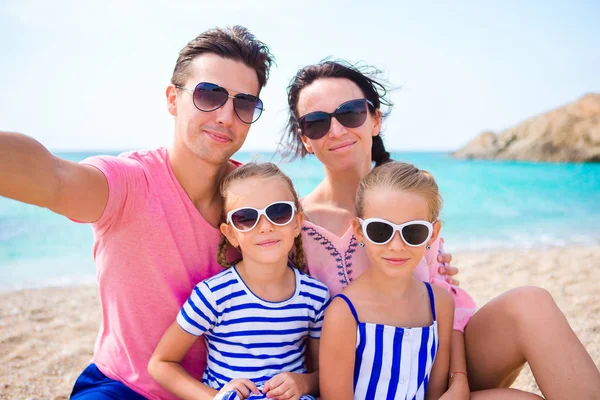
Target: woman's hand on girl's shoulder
column 445, row 269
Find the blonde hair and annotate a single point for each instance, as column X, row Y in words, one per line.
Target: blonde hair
column 259, row 170
column 401, row 176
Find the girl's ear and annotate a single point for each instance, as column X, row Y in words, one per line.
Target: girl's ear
column 437, row 226
column 298, row 220
column 230, row 233
column 358, row 233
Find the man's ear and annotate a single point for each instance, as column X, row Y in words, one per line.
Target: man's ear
column 171, row 93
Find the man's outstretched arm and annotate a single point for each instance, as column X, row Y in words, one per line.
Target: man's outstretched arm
column 31, row 174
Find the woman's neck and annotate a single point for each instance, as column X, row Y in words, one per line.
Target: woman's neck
column 339, row 186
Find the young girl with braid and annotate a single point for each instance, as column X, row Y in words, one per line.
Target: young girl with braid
column 260, row 316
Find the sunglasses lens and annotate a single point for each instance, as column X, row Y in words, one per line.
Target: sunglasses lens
column 280, row 213
column 209, row 97
column 379, row 232
column 415, row 234
column 315, row 125
column 244, row 219
column 352, row 114
column 247, row 107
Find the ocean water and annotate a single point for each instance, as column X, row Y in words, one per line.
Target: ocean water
column 487, row 205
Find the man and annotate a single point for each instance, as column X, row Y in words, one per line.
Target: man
column 154, row 213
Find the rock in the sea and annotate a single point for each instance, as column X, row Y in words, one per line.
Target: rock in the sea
column 569, row 133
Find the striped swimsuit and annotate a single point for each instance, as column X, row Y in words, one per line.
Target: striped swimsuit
column 248, row 337
column 391, row 362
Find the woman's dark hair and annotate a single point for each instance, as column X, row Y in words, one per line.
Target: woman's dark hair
column 363, row 76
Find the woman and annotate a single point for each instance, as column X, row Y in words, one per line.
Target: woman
column 327, row 103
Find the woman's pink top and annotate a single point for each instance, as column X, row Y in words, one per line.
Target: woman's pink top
column 337, row 261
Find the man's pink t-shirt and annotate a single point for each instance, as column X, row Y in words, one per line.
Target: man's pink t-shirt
column 151, row 247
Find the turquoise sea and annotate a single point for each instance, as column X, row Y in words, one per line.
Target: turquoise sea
column 487, row 205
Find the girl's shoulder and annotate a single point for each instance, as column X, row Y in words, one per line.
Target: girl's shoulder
column 308, row 280
column 316, row 289
column 345, row 301
column 226, row 276
column 444, row 302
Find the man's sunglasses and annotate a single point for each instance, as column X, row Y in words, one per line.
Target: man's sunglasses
column 351, row 114
column 413, row 233
column 245, row 219
column 209, row 97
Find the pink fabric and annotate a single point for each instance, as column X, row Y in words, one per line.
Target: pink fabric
column 337, row 261
column 151, row 246
column 464, row 304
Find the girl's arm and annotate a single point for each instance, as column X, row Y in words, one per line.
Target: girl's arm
column 290, row 384
column 165, row 367
column 336, row 355
column 458, row 385
column 444, row 309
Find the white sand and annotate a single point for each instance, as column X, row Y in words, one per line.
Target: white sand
column 47, row 335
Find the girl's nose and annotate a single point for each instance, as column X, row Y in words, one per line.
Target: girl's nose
column 396, row 244
column 264, row 225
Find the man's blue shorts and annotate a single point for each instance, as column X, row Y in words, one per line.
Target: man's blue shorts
column 94, row 385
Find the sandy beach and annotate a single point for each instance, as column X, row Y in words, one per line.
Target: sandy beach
column 47, row 335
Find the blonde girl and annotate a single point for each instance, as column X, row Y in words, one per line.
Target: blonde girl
column 387, row 335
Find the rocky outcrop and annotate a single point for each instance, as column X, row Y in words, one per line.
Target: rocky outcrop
column 569, row 133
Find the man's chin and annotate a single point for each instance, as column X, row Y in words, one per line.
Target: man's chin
column 213, row 155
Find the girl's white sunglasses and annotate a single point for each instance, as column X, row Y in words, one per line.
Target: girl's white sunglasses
column 413, row 233
column 244, row 219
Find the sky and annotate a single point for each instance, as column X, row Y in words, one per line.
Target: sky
column 83, row 75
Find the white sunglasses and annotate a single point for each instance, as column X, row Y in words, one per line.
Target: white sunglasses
column 279, row 213
column 413, row 233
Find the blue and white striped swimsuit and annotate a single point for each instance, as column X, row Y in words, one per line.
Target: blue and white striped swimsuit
column 392, row 362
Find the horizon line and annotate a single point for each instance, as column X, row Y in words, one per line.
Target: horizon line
column 116, row 150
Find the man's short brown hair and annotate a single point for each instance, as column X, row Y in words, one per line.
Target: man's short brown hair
column 235, row 43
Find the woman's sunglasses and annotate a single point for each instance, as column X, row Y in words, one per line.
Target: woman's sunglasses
column 413, row 233
column 245, row 219
column 209, row 97
column 351, row 114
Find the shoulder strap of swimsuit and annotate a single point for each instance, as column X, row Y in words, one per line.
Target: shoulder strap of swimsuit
column 347, row 300
column 431, row 301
